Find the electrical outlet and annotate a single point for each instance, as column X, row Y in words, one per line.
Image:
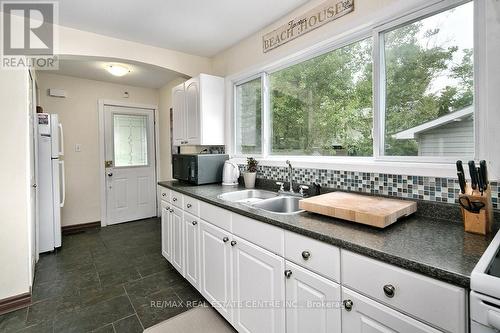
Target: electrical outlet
column 78, row 147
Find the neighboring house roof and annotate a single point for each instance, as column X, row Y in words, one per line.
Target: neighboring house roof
column 411, row 133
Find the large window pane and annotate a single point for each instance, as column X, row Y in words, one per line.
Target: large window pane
column 429, row 86
column 248, row 117
column 130, row 140
column 323, row 106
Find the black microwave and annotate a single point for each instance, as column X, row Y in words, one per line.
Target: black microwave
column 198, row 169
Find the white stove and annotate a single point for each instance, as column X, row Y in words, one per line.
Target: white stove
column 485, row 291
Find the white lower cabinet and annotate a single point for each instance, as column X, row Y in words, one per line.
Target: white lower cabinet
column 166, row 230
column 313, row 302
column 258, row 289
column 177, row 256
column 191, row 250
column 215, row 274
column 361, row 315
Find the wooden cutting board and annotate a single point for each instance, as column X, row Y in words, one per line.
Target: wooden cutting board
column 375, row 211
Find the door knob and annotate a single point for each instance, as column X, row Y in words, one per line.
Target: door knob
column 389, row 290
column 348, row 304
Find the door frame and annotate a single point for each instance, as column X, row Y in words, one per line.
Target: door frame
column 101, row 103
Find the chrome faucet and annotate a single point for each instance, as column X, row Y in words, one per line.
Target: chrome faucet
column 290, row 175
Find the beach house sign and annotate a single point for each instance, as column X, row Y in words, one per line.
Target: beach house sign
column 328, row 11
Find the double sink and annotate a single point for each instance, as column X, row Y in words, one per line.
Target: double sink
column 266, row 200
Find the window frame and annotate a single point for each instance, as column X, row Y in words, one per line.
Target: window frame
column 375, row 30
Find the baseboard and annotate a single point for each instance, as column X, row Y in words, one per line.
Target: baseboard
column 14, row 303
column 76, row 228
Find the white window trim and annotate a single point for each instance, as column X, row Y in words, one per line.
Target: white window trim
column 413, row 165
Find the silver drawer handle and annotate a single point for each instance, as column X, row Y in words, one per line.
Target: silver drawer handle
column 306, row 255
column 348, row 304
column 189, row 206
column 389, row 290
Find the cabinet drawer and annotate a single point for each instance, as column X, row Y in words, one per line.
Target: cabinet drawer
column 216, row 215
column 265, row 235
column 191, row 205
column 314, row 255
column 164, row 193
column 435, row 302
column 176, row 199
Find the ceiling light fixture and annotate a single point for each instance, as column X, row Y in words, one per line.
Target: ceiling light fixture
column 117, row 70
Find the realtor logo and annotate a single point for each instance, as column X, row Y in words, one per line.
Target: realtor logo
column 29, row 34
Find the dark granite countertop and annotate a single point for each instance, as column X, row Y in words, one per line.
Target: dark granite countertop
column 433, row 247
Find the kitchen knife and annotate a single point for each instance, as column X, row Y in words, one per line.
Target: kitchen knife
column 480, row 183
column 483, row 174
column 460, row 167
column 474, row 178
column 461, row 181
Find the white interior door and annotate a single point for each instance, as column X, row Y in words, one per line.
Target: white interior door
column 130, row 163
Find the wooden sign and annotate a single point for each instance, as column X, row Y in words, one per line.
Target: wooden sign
column 315, row 18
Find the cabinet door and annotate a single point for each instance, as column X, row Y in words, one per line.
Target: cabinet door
column 191, row 250
column 365, row 315
column 177, row 256
column 192, row 111
column 215, row 274
column 166, row 231
column 313, row 302
column 258, row 289
column 178, row 115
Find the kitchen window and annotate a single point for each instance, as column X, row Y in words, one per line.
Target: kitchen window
column 429, row 86
column 400, row 91
column 323, row 106
column 249, row 117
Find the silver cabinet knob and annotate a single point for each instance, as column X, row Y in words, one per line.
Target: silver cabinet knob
column 34, row 185
column 167, row 209
column 164, row 194
column 189, row 205
column 233, row 243
column 288, row 273
column 194, row 222
column 225, row 239
column 348, row 304
column 110, row 174
column 306, row 255
column 174, row 199
column 171, row 210
column 389, row 290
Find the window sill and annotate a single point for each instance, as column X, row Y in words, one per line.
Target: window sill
column 361, row 164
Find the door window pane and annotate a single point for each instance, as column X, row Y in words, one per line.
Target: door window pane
column 130, row 140
column 248, row 117
column 429, row 86
column 323, row 106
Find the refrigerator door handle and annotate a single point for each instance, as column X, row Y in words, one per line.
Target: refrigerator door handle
column 63, row 175
column 61, row 140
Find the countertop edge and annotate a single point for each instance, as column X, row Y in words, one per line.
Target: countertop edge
column 456, row 279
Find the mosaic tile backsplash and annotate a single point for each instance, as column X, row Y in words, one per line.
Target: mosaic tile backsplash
column 412, row 187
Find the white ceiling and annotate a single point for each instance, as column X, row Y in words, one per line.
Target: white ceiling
column 200, row 27
column 93, row 68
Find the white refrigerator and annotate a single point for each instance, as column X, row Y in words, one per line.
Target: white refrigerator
column 50, row 181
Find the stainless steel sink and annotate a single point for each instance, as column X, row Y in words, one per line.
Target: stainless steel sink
column 247, row 196
column 287, row 205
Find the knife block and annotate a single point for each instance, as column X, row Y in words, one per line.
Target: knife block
column 481, row 222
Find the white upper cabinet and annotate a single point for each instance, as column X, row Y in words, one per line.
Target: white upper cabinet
column 198, row 111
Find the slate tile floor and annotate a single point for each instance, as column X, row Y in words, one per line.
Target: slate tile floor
column 104, row 280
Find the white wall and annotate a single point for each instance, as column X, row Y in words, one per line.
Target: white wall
column 14, row 180
column 78, row 113
column 164, row 128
